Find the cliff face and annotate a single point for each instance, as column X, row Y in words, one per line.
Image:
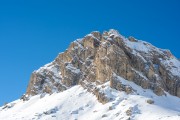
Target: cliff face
column 100, row 58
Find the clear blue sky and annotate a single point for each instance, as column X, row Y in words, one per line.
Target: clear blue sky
column 33, row 32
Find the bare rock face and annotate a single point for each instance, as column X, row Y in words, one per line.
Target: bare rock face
column 46, row 80
column 118, row 85
column 99, row 58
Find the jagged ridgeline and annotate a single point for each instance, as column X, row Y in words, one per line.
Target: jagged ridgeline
column 100, row 58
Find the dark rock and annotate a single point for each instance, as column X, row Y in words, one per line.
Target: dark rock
column 150, row 101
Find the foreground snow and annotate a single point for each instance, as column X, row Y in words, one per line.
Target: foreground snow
column 78, row 104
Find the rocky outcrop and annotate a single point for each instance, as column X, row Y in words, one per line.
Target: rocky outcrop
column 118, row 85
column 46, row 80
column 99, row 58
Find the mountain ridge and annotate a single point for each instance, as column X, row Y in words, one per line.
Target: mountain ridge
column 135, row 60
column 123, row 78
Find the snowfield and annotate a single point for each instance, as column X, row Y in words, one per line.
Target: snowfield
column 78, row 104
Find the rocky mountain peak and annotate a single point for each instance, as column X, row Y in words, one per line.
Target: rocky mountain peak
column 98, row 59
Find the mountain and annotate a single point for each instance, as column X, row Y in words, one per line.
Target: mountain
column 103, row 76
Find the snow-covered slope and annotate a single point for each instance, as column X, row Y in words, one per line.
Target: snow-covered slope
column 78, row 104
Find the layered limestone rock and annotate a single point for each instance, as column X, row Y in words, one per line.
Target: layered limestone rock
column 99, row 58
